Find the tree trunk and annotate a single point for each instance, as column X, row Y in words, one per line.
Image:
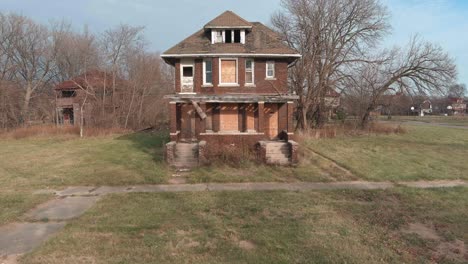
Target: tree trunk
column 27, row 99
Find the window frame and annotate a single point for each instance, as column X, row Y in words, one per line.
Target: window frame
column 252, row 70
column 205, row 83
column 221, row 83
column 274, row 70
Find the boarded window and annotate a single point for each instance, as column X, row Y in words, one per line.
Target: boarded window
column 229, row 117
column 228, row 71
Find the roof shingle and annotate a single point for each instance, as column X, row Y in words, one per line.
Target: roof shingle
column 228, row 19
column 260, row 40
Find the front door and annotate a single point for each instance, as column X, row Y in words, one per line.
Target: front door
column 187, row 123
column 187, row 72
column 271, row 120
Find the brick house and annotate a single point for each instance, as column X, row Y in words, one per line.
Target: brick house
column 70, row 95
column 458, row 106
column 231, row 89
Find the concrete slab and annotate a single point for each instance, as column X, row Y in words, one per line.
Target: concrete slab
column 76, row 191
column 435, row 184
column 62, row 209
column 109, row 190
column 171, row 188
column 20, row 238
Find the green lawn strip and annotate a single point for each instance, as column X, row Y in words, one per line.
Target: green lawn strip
column 424, row 153
column 63, row 161
column 13, row 205
column 260, row 227
column 449, row 120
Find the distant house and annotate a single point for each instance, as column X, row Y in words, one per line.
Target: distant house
column 94, row 86
column 231, row 89
column 332, row 102
column 425, row 108
column 458, row 105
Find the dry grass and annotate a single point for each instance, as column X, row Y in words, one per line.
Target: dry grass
column 52, row 131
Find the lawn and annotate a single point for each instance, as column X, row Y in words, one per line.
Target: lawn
column 448, row 120
column 35, row 163
column 392, row 226
column 423, row 153
column 14, row 204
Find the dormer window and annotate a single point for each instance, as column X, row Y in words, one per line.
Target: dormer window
column 228, row 36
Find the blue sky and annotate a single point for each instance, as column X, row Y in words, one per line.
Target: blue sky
column 167, row 22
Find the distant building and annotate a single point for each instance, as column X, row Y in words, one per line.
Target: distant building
column 95, row 86
column 458, row 105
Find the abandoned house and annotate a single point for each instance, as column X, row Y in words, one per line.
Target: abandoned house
column 94, row 88
column 231, row 93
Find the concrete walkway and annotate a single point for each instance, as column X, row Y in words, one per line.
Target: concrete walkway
column 49, row 218
column 271, row 186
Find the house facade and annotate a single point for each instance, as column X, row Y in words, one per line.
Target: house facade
column 231, row 89
column 93, row 88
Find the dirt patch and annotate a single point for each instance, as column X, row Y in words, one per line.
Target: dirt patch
column 424, row 231
column 455, row 251
column 12, row 259
column 247, row 245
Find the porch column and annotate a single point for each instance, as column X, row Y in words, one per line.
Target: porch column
column 291, row 117
column 201, row 122
column 173, row 120
column 261, row 117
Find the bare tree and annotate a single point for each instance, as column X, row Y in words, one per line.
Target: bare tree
column 330, row 34
column 118, row 45
column 421, row 68
column 33, row 54
column 457, row 90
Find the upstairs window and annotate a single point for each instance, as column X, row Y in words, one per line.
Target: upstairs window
column 68, row 94
column 219, row 37
column 229, row 36
column 270, row 70
column 249, row 71
column 228, row 71
column 208, row 72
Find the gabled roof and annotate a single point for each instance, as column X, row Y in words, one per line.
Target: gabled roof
column 228, row 19
column 260, row 41
column 94, row 78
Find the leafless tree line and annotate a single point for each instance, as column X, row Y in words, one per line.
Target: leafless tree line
column 35, row 57
column 340, row 43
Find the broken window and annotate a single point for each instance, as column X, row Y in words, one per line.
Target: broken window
column 67, row 94
column 229, row 36
column 188, row 71
column 219, row 37
column 237, row 36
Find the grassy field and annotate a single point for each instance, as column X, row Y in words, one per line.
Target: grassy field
column 397, row 226
column 35, row 163
column 423, row 153
column 449, row 120
column 14, row 204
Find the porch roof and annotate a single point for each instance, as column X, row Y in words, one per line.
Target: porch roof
column 232, row 98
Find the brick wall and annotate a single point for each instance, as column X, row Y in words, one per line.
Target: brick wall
column 262, row 86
